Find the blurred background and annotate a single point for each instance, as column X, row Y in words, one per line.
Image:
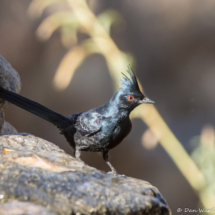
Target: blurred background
column 171, row 46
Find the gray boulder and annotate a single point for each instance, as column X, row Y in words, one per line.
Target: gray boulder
column 10, row 80
column 37, row 177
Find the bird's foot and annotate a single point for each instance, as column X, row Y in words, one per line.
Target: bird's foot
column 116, row 174
column 78, row 159
column 81, row 162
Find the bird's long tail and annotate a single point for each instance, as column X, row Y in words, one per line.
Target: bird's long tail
column 57, row 119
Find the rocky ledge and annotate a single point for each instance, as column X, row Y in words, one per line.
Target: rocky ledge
column 37, row 177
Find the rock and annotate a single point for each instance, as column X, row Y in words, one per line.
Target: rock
column 10, row 80
column 9, row 77
column 37, row 177
column 23, row 208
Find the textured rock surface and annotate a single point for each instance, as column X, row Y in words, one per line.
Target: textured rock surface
column 23, row 208
column 42, row 177
column 10, row 80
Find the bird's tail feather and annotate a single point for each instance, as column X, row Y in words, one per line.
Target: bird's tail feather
column 57, row 119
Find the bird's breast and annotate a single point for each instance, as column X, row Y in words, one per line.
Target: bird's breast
column 120, row 131
column 112, row 132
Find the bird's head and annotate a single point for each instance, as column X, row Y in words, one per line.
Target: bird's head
column 129, row 95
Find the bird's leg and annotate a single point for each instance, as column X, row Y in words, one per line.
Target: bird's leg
column 77, row 155
column 106, row 157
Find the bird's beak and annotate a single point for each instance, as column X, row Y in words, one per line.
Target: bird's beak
column 146, row 100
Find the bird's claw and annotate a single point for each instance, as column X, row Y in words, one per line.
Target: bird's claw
column 116, row 174
column 82, row 162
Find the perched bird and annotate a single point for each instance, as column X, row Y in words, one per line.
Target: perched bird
column 96, row 130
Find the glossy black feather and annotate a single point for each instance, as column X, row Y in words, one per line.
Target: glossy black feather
column 55, row 118
column 88, row 123
column 130, row 84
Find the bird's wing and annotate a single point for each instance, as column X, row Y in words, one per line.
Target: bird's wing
column 88, row 123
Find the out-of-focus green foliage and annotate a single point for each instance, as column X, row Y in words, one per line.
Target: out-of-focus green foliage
column 65, row 21
column 69, row 25
column 110, row 17
column 204, row 156
column 37, row 7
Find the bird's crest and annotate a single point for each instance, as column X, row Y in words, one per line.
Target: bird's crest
column 130, row 84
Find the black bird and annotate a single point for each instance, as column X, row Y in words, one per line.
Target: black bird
column 97, row 130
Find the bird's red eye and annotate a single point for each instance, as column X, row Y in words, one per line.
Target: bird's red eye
column 130, row 98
